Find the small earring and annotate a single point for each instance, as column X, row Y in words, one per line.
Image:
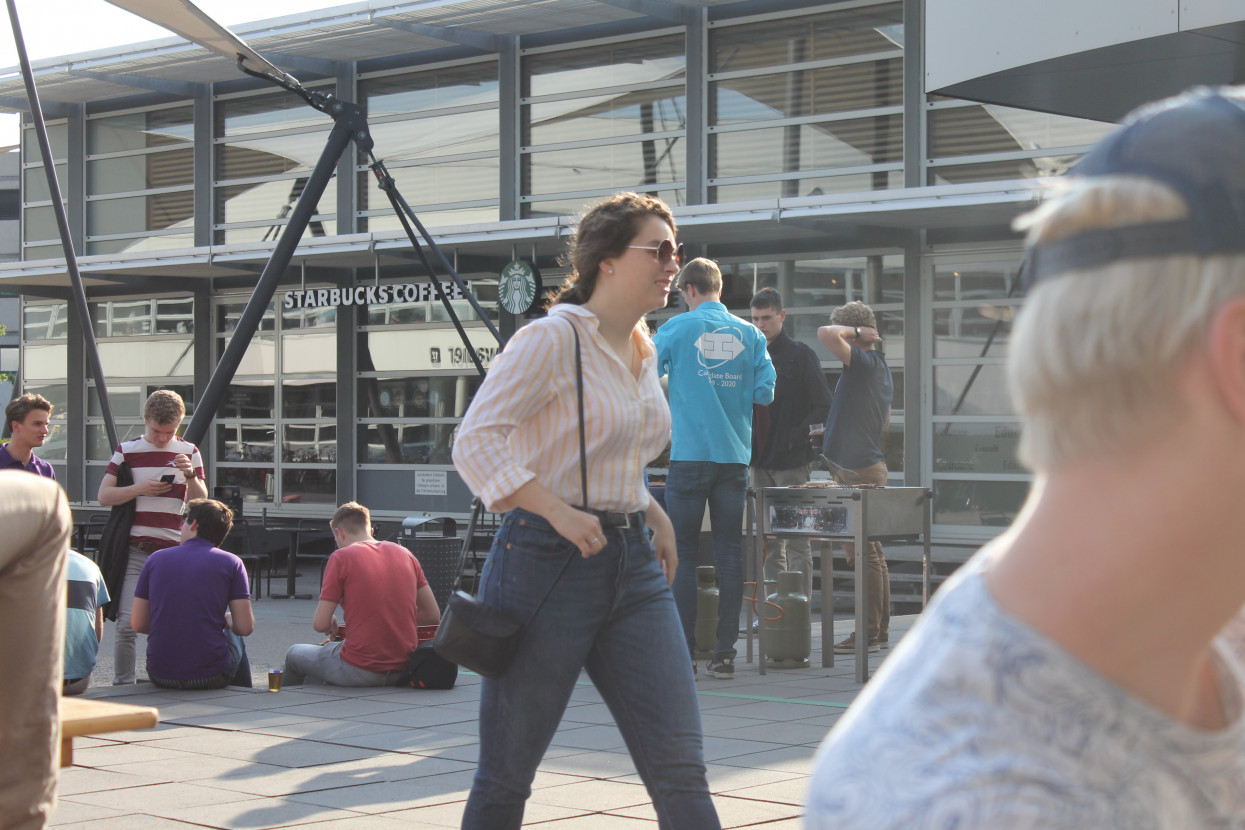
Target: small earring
column 609, row 270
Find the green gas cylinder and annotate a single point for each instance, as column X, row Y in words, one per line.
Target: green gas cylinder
column 789, row 640
column 706, row 611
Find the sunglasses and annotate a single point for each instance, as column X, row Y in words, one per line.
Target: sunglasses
column 664, row 252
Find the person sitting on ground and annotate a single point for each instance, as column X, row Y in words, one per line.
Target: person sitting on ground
column 180, row 600
column 384, row 598
column 84, row 622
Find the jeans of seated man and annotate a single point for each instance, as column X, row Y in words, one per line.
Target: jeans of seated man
column 33, row 567
column 237, row 674
column 690, row 486
column 325, row 663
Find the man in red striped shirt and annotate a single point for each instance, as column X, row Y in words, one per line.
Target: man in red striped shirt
column 167, row 471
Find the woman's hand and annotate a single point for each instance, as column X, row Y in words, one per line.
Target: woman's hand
column 582, row 529
column 664, row 546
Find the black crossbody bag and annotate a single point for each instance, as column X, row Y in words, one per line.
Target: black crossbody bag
column 474, row 635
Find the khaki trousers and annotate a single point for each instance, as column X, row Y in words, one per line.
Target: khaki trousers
column 877, row 575
column 34, row 536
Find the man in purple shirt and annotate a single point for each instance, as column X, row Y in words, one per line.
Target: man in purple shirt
column 193, row 603
column 28, row 418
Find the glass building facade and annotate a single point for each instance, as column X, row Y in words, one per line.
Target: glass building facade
column 795, row 145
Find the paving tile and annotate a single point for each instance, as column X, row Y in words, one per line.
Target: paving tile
column 344, row 708
column 156, row 797
column 108, row 756
column 70, row 811
column 602, row 765
column 451, row 815
column 257, row 814
column 421, row 741
column 389, row 796
column 192, row 768
column 129, row 822
column 589, row 737
column 77, row 780
column 592, row 795
column 424, row 716
column 796, row 759
column 324, row 729
column 600, row 821
column 242, row 719
column 791, row 791
column 719, row 748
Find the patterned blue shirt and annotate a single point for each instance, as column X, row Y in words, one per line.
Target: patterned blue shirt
column 978, row 721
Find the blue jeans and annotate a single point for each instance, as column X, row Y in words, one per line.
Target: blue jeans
column 238, row 673
column 689, row 486
column 613, row 614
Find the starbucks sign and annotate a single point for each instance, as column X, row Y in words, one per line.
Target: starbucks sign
column 519, row 286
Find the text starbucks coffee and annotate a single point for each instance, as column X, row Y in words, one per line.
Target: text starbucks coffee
column 410, row 292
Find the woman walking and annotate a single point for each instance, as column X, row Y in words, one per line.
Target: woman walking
column 611, row 611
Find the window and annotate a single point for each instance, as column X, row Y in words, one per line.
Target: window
column 977, row 480
column 140, row 180
column 806, row 105
column 609, row 117
column 40, row 236
column 437, row 131
column 982, row 142
column 265, row 148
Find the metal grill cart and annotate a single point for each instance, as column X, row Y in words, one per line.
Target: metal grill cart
column 843, row 514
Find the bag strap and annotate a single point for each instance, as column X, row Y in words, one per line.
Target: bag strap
column 477, row 506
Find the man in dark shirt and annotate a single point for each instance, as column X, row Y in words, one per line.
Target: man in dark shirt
column 193, row 602
column 781, row 453
column 859, row 411
column 28, row 418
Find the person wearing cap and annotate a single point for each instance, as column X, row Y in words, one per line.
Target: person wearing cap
column 718, row 367
column 1081, row 670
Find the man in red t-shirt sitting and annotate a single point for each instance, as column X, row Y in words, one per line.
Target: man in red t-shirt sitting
column 384, row 598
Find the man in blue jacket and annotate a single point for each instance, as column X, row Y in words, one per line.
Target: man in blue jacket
column 718, row 367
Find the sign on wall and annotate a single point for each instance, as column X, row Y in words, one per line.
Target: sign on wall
column 519, row 286
column 411, row 292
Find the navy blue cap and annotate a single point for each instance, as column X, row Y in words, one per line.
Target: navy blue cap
column 1195, row 144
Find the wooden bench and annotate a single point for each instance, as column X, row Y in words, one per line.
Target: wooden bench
column 84, row 716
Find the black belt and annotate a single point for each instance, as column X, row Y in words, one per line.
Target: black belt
column 616, row 519
column 152, row 547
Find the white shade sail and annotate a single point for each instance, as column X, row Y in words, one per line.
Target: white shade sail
column 184, row 18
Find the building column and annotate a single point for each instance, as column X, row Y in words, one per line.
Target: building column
column 915, row 309
column 347, row 399
column 508, row 113
column 697, row 92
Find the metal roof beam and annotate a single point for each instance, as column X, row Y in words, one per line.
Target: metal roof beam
column 652, row 8
column 183, row 89
column 450, row 34
column 50, row 108
column 299, row 63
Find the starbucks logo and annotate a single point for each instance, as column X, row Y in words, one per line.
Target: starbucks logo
column 518, row 286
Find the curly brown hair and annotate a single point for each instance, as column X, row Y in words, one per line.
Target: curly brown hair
column 854, row 313
column 605, row 231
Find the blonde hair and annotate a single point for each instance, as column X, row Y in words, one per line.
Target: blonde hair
column 703, row 275
column 1095, row 353
column 352, row 518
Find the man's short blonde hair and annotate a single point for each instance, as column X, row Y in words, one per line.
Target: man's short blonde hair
column 352, row 518
column 1095, row 353
column 164, row 406
column 703, row 275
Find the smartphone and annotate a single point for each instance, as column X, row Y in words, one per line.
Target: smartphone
column 167, row 478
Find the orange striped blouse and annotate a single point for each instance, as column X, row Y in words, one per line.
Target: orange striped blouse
column 524, row 420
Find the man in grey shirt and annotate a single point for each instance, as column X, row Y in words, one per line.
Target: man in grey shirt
column 1075, row 673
